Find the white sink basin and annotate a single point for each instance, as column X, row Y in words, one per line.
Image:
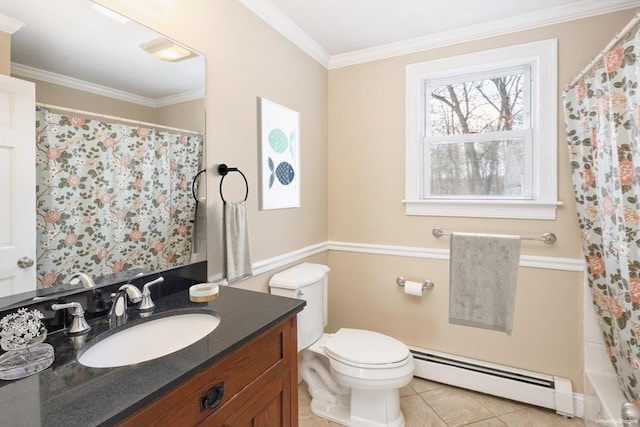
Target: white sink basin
column 148, row 340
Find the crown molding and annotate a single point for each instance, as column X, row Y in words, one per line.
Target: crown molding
column 281, row 23
column 179, row 98
column 59, row 79
column 9, row 25
column 499, row 27
column 564, row 13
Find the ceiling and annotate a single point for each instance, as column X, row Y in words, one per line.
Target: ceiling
column 334, row 32
column 342, row 26
column 342, row 32
column 68, row 42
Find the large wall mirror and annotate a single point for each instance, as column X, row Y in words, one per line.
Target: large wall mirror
column 120, row 128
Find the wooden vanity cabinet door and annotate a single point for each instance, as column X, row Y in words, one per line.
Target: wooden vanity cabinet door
column 260, row 387
column 271, row 407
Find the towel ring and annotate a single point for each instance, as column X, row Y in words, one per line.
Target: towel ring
column 193, row 184
column 223, row 170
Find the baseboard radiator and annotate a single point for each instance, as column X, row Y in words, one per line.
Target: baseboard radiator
column 524, row 386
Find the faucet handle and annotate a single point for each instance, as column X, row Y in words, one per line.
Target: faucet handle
column 78, row 324
column 147, row 303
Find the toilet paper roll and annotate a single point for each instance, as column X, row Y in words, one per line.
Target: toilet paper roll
column 413, row 288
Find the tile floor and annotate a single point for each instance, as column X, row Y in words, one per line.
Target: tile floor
column 430, row 404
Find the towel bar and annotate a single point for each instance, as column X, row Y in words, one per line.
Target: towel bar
column 548, row 238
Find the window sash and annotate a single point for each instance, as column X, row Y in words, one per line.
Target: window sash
column 542, row 58
column 526, row 135
column 527, row 101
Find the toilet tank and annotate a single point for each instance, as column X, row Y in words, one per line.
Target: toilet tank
column 305, row 281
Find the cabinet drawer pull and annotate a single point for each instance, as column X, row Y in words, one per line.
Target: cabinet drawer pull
column 213, row 397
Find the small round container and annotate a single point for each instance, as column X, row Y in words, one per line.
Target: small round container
column 203, row 292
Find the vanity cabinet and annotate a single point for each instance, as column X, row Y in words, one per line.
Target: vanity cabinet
column 253, row 385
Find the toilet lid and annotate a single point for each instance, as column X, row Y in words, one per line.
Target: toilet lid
column 362, row 347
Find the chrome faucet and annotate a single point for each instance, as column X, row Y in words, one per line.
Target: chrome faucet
column 118, row 313
column 78, row 324
column 147, row 304
column 87, row 282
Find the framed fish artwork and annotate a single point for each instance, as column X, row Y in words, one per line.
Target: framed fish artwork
column 279, row 156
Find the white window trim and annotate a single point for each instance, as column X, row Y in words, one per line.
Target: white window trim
column 543, row 57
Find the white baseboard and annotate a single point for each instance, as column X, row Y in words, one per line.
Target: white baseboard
column 533, row 388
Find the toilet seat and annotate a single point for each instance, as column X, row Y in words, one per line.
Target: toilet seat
column 367, row 360
column 366, row 349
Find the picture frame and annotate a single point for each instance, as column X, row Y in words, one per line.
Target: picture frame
column 279, row 156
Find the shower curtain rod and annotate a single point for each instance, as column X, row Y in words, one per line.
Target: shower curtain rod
column 620, row 34
column 119, row 119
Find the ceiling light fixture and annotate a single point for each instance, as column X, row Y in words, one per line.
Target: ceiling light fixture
column 167, row 50
column 110, row 13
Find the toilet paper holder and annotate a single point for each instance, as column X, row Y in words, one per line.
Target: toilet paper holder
column 427, row 285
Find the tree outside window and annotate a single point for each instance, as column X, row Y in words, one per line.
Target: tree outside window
column 475, row 137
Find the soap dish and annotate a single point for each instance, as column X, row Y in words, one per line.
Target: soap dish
column 21, row 363
column 203, row 292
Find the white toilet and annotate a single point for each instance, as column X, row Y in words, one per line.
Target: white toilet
column 354, row 376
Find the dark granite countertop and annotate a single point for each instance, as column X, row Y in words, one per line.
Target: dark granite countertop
column 69, row 394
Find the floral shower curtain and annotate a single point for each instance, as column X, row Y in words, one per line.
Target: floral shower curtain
column 111, row 197
column 602, row 118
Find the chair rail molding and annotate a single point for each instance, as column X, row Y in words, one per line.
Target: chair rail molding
column 273, row 263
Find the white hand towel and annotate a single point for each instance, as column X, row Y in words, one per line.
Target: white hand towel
column 236, row 241
column 482, row 280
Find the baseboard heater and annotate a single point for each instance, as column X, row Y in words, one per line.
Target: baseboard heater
column 524, row 386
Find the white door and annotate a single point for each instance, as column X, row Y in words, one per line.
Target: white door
column 17, row 186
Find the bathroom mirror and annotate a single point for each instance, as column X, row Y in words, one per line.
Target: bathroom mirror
column 93, row 65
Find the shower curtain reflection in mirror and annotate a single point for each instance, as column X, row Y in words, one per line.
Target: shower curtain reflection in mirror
column 111, row 196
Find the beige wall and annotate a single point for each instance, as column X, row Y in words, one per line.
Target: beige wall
column 366, row 188
column 188, row 115
column 247, row 59
column 5, row 53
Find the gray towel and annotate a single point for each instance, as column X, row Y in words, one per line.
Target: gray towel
column 236, row 240
column 482, row 280
column 199, row 231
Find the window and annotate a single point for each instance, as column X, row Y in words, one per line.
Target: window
column 481, row 134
